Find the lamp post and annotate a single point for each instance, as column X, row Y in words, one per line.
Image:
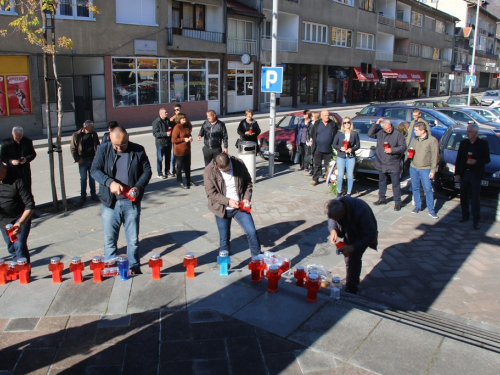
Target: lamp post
column 473, row 70
column 272, row 114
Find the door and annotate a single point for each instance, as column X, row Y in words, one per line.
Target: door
column 83, row 100
column 240, row 79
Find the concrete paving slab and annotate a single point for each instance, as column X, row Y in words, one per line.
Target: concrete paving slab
column 21, row 324
column 168, row 293
column 394, row 348
column 31, row 300
column 118, row 320
column 118, row 300
column 312, row 360
column 270, row 310
column 87, row 298
column 3, row 288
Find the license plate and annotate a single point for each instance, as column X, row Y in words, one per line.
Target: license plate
column 484, row 183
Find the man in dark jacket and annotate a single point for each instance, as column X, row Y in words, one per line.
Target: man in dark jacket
column 322, row 135
column 162, row 131
column 473, row 154
column 19, row 152
column 353, row 220
column 214, row 135
column 120, row 165
column 227, row 183
column 391, row 147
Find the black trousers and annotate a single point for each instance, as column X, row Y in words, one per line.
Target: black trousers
column 396, row 187
column 183, row 163
column 302, row 151
column 353, row 265
column 470, row 184
column 319, row 157
column 209, row 154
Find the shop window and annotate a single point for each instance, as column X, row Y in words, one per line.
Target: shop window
column 136, row 12
column 178, row 86
column 15, row 91
column 147, row 87
column 197, row 86
column 341, row 37
column 213, row 67
column 124, row 89
column 75, row 9
column 213, row 88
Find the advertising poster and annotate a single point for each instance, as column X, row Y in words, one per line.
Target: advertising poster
column 18, row 91
column 3, row 98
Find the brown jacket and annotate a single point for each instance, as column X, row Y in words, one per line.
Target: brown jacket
column 215, row 186
column 181, row 147
column 76, row 143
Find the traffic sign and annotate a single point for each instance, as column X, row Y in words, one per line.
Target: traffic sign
column 470, row 81
column 272, row 79
column 451, row 77
column 471, row 69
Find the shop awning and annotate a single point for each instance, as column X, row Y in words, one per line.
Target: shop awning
column 389, row 73
column 369, row 77
column 410, row 76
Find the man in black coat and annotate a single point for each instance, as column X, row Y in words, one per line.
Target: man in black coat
column 473, row 154
column 322, row 134
column 391, row 147
column 162, row 131
column 18, row 152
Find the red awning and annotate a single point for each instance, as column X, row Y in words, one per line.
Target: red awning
column 369, row 77
column 389, row 73
column 410, row 76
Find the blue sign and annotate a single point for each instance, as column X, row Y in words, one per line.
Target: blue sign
column 272, row 80
column 470, row 81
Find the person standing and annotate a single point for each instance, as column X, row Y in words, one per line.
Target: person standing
column 227, row 183
column 162, row 131
column 83, row 148
column 248, row 130
column 118, row 165
column 353, row 220
column 19, row 152
column 473, row 154
column 301, row 138
column 346, row 156
column 182, row 138
column 390, row 150
column 214, row 134
column 105, row 136
column 16, row 208
column 410, row 133
column 423, row 167
column 173, row 121
column 322, row 134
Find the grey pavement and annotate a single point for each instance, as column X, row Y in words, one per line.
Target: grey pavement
column 428, row 303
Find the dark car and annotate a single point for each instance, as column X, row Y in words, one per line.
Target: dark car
column 376, row 109
column 284, row 136
column 461, row 100
column 448, row 148
column 467, row 116
column 430, row 103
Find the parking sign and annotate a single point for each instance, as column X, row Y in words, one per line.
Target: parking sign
column 272, row 79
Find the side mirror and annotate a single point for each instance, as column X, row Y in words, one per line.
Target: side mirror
column 357, row 113
column 432, row 123
column 470, row 122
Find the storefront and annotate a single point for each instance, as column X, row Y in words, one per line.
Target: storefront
column 400, row 83
column 15, row 89
column 362, row 82
column 335, row 86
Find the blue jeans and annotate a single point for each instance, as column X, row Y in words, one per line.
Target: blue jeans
column 19, row 249
column 84, row 168
column 422, row 176
column 245, row 221
column 127, row 213
column 163, row 152
column 172, row 168
column 345, row 164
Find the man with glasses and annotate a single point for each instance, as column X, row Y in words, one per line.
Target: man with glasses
column 118, row 165
column 162, row 131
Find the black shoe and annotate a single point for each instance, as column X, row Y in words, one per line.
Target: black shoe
column 183, row 186
column 475, row 225
column 95, row 198
column 82, row 201
column 191, row 183
column 463, row 219
column 379, row 202
column 397, row 207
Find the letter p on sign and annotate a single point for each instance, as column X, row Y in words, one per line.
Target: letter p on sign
column 272, row 79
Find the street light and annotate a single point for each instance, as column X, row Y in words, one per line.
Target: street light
column 473, row 70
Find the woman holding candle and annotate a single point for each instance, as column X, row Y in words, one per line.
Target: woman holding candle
column 249, row 129
column 346, row 143
column 182, row 138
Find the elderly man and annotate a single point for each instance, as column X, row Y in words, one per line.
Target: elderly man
column 214, row 134
column 83, row 147
column 162, row 131
column 19, row 152
column 119, row 165
column 390, row 151
column 322, row 134
column 16, row 208
column 353, row 220
column 473, row 154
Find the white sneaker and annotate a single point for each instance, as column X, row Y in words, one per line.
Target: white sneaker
column 161, row 177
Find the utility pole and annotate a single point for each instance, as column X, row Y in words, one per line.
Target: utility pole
column 473, row 70
column 272, row 114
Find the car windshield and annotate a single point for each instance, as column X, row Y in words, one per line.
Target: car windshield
column 423, row 104
column 476, row 116
column 289, row 122
column 362, row 127
column 457, row 100
column 440, row 104
column 370, row 110
column 491, row 93
column 440, row 117
column 457, row 137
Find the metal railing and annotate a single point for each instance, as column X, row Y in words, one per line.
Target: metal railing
column 210, row 36
column 383, row 56
column 384, row 20
column 241, row 46
column 402, row 25
column 400, row 56
column 284, row 44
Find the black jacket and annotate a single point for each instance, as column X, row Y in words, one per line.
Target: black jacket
column 102, row 170
column 12, row 151
column 353, row 144
column 480, row 152
column 160, row 128
column 244, row 126
column 388, row 163
column 214, row 136
column 314, row 132
column 15, row 197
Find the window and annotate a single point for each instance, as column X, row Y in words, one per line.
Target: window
column 427, row 52
column 440, row 27
column 447, row 54
column 268, row 29
column 136, row 12
column 416, row 19
column 341, row 37
column 366, row 5
column 437, row 54
column 429, row 23
column 75, row 9
column 193, row 16
column 346, row 2
column 240, row 29
column 9, row 7
column 315, row 33
column 364, row 41
column 414, row 50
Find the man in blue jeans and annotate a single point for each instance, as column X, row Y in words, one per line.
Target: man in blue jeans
column 120, row 165
column 162, row 131
column 83, row 148
column 227, row 183
column 423, row 167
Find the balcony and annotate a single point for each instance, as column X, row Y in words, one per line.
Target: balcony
column 448, row 38
column 400, row 56
column 384, row 20
column 241, row 46
column 402, row 25
column 210, row 36
column 384, row 56
column 284, row 44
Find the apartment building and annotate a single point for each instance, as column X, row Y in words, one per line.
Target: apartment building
column 358, row 50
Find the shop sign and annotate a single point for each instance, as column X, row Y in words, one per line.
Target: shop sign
column 18, row 91
column 145, row 47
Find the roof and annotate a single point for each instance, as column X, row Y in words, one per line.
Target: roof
column 236, row 7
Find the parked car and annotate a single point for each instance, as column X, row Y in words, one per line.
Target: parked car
column 490, row 114
column 284, row 136
column 376, row 109
column 430, row 103
column 461, row 100
column 467, row 116
column 448, row 148
column 489, row 97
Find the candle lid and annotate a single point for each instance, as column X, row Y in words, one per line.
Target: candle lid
column 97, row 259
column 189, row 256
column 2, row 261
column 22, row 261
column 313, row 276
column 122, row 258
column 300, row 268
column 336, row 279
column 286, row 260
column 55, row 260
column 12, row 264
column 155, row 257
column 273, row 268
column 76, row 260
column 8, row 226
column 223, row 253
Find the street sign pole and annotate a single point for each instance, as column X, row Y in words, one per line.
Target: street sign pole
column 474, row 50
column 272, row 114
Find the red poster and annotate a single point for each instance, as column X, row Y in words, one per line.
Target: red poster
column 18, row 90
column 3, row 98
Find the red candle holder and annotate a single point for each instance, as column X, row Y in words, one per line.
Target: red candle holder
column 386, row 145
column 3, row 272
column 250, row 131
column 190, row 262
column 469, row 157
column 12, row 273
column 76, row 266
column 129, row 193
column 345, row 144
column 273, row 276
column 300, row 275
column 96, row 267
column 56, row 267
column 285, row 266
column 24, row 270
column 257, row 267
column 313, row 284
column 411, row 153
column 244, row 208
column 339, row 246
column 9, row 229
column 155, row 263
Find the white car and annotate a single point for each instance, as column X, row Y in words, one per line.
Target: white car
column 489, row 97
